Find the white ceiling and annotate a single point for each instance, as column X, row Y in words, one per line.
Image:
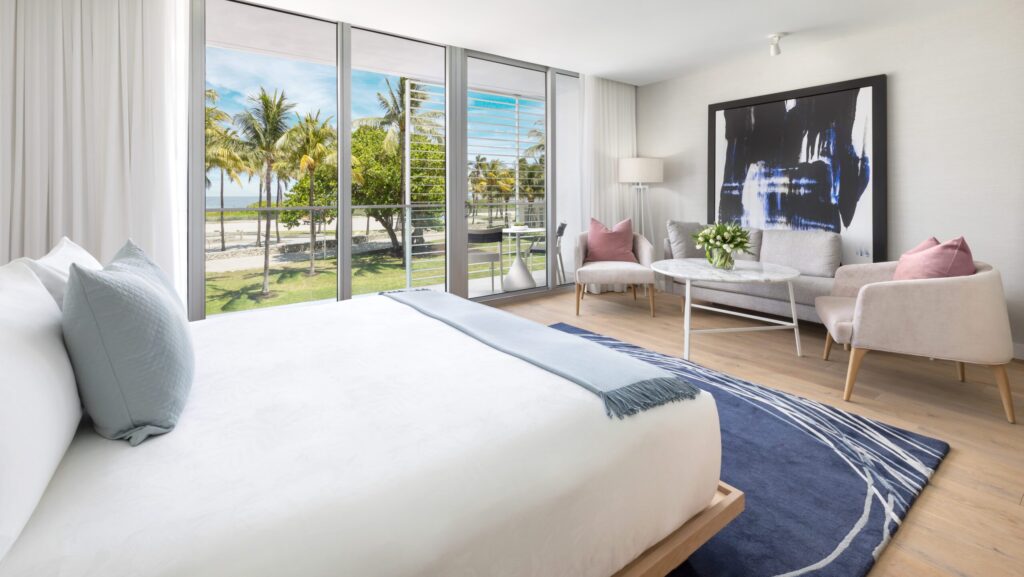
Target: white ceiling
column 240, row 27
column 634, row 41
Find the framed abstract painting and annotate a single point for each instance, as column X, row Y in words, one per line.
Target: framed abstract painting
column 809, row 159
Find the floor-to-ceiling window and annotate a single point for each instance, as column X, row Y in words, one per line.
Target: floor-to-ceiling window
column 507, row 208
column 398, row 163
column 328, row 169
column 270, row 159
column 568, row 115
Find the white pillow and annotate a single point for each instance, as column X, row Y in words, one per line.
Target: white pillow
column 39, row 405
column 53, row 269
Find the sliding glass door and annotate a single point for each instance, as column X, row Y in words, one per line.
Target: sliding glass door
column 568, row 115
column 398, row 163
column 329, row 154
column 507, row 209
column 271, row 138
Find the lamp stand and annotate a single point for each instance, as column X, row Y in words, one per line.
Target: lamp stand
column 640, row 208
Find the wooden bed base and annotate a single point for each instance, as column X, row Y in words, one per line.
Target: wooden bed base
column 672, row 551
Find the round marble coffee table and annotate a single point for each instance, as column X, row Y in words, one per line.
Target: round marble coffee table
column 690, row 270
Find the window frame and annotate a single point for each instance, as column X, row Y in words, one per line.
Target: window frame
column 456, row 171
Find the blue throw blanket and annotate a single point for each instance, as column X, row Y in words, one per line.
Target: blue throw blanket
column 627, row 385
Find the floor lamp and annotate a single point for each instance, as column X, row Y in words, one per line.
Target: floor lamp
column 639, row 172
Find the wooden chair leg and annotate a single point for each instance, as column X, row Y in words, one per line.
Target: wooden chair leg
column 579, row 297
column 634, row 292
column 846, row 346
column 828, row 346
column 1003, row 380
column 650, row 297
column 961, row 372
column 851, row 372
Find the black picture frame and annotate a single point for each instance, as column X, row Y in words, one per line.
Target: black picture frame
column 879, row 175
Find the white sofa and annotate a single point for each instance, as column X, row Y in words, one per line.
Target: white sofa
column 815, row 254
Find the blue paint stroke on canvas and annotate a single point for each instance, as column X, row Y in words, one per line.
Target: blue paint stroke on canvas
column 799, row 164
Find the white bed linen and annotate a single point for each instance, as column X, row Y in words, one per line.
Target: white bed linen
column 362, row 438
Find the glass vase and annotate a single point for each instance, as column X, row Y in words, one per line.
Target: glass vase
column 721, row 258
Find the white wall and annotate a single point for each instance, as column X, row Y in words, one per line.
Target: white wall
column 955, row 130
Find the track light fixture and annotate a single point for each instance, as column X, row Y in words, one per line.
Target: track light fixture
column 773, row 43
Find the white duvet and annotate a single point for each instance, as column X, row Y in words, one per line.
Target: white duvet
column 362, row 438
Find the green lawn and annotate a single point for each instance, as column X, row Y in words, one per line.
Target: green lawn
column 289, row 283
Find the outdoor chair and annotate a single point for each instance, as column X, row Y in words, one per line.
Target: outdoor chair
column 540, row 246
column 479, row 236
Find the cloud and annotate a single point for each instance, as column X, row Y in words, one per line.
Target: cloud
column 237, row 75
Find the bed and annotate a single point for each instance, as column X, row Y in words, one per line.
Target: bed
column 364, row 438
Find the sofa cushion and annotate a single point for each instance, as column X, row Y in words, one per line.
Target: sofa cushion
column 680, row 238
column 932, row 259
column 756, row 239
column 613, row 272
column 812, row 252
column 682, row 245
column 805, row 289
column 836, row 313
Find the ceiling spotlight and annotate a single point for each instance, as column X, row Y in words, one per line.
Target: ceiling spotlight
column 773, row 43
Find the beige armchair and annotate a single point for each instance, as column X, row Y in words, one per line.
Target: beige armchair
column 961, row 319
column 616, row 272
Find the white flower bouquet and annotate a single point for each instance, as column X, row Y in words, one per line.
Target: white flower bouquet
column 721, row 241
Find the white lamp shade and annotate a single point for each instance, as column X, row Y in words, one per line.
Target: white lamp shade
column 641, row 170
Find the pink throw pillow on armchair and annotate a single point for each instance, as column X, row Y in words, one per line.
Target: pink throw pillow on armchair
column 615, row 244
column 932, row 259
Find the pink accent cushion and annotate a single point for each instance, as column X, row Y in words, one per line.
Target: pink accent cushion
column 932, row 259
column 924, row 245
column 615, row 244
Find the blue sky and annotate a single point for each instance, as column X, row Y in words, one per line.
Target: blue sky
column 313, row 87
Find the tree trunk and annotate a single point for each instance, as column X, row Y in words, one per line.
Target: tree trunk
column 266, row 241
column 222, row 245
column 277, row 215
column 312, row 224
column 259, row 215
column 396, row 245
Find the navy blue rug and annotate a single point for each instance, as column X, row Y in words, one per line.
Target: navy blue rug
column 825, row 489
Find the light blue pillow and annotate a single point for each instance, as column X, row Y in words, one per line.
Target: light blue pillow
column 128, row 338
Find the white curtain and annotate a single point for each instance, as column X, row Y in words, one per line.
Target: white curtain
column 609, row 133
column 92, row 124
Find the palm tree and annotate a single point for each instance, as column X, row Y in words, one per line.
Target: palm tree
column 223, row 155
column 285, row 171
column 392, row 104
column 252, row 163
column 310, row 143
column 263, row 126
column 491, row 180
column 221, row 150
column 215, row 117
column 536, row 134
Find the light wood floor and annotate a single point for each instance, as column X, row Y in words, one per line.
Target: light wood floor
column 968, row 521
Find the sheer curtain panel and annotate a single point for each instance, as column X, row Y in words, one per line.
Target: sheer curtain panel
column 92, row 124
column 609, row 133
